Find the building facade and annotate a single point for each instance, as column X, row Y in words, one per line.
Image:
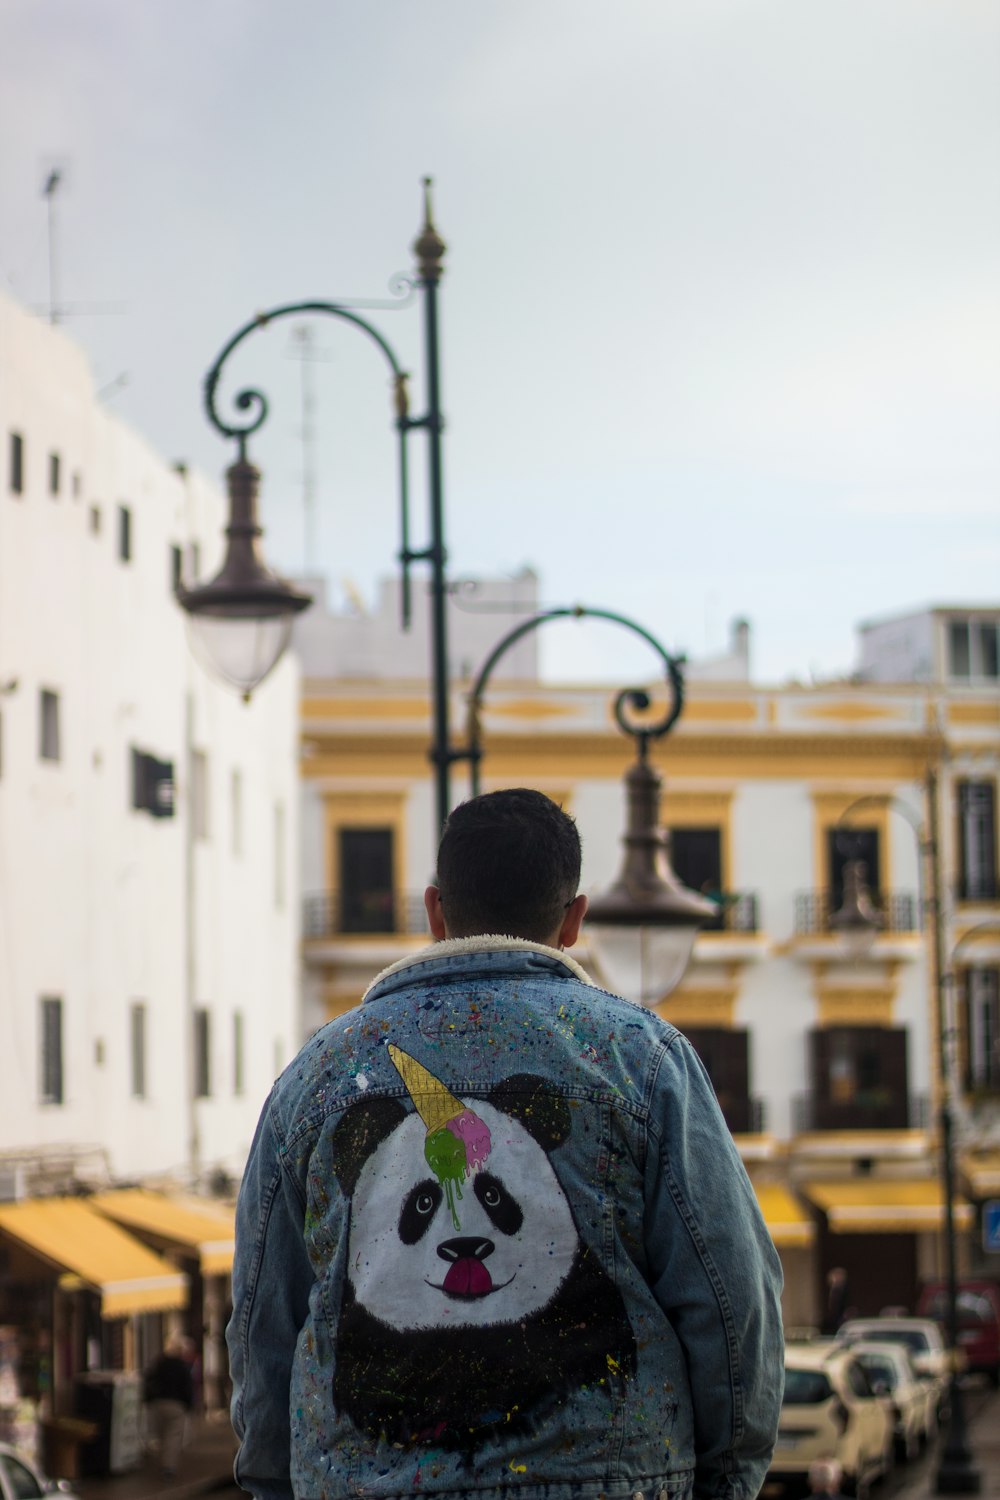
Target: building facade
column 825, row 1059
column 148, row 868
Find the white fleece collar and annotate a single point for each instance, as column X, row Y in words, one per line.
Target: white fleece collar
column 486, row 943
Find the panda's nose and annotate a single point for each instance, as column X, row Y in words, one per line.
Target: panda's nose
column 470, row 1247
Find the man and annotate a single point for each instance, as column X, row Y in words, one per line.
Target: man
column 493, row 1235
column 168, row 1390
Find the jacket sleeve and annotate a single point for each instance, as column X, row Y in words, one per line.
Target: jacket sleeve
column 716, row 1274
column 272, row 1278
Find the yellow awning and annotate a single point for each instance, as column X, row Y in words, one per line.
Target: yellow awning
column 787, row 1221
column 983, row 1174
column 72, row 1236
column 199, row 1228
column 879, row 1205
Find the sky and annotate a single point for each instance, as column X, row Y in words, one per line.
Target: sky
column 720, row 317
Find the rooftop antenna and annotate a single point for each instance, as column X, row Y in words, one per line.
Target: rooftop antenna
column 49, row 191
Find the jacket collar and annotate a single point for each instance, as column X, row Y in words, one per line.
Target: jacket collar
column 487, row 943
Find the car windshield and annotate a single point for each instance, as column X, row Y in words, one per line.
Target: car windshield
column 914, row 1338
column 882, row 1370
column 805, row 1387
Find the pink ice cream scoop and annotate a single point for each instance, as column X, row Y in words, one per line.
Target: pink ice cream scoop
column 474, row 1134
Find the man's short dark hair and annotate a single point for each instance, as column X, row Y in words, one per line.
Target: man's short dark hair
column 509, row 862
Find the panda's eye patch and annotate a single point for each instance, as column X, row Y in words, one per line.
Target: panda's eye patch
column 504, row 1211
column 419, row 1207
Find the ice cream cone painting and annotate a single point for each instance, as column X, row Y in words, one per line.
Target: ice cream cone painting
column 457, row 1141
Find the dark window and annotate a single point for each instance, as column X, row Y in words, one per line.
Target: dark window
column 176, row 568
column 137, row 1048
column 239, row 1051
column 54, row 475
column 696, row 855
column 980, row 1029
column 95, row 520
column 844, row 844
column 202, row 1054
column 977, row 841
column 152, row 784
column 805, row 1388
column 52, row 1051
column 48, row 725
column 16, row 463
column 124, row 533
column 989, row 657
column 77, row 483
column 366, row 888
column 725, row 1054
column 859, row 1078
column 959, row 655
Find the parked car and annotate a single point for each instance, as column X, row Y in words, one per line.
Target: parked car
column 830, row 1410
column 914, row 1409
column 978, row 1307
column 20, row 1479
column 923, row 1338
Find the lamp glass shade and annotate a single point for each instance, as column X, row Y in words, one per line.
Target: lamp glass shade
column 243, row 650
column 643, row 963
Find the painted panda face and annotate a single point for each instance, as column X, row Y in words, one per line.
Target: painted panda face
column 501, row 1256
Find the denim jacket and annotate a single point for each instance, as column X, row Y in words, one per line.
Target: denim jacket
column 494, row 1240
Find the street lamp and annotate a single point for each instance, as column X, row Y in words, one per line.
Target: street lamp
column 956, row 1474
column 643, row 926
column 242, row 618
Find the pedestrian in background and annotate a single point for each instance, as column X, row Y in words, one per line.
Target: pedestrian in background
column 168, row 1391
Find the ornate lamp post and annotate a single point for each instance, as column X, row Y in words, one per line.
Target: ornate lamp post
column 242, row 618
column 956, row 1474
column 643, row 926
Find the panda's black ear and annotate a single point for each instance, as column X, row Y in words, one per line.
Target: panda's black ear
column 532, row 1102
column 360, row 1131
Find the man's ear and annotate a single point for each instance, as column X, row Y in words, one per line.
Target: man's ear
column 435, row 915
column 572, row 922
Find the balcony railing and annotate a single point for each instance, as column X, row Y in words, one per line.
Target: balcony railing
column 813, row 910
column 338, row 914
column 737, row 912
column 870, row 1109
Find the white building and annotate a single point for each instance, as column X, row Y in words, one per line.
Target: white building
column 148, row 819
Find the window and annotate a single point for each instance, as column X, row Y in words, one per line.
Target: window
column 137, row 1048
column 725, row 1054
column 843, row 845
column 95, row 520
column 124, row 533
column 973, row 649
column 77, row 484
column 51, row 1023
column 980, row 1029
column 54, row 476
column 202, row 1054
column 696, row 855
column 16, row 464
column 152, row 784
column 199, row 794
column 365, row 860
column 236, row 812
column 977, row 841
column 239, row 1076
column 280, row 892
column 176, row 568
column 859, row 1078
column 48, row 725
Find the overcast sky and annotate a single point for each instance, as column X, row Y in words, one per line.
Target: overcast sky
column 721, row 312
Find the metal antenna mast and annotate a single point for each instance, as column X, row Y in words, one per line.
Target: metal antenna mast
column 49, row 191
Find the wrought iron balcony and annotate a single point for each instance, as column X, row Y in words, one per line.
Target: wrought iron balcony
column 737, row 912
column 870, row 1109
column 813, row 910
column 329, row 914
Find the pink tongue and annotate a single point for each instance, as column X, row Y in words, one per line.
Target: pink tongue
column 468, row 1278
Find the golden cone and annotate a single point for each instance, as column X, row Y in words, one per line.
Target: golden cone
column 434, row 1103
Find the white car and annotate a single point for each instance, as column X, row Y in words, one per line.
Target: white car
column 20, row 1479
column 923, row 1338
column 830, row 1410
column 890, row 1369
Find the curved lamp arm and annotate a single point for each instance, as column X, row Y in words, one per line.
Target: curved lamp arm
column 633, row 697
